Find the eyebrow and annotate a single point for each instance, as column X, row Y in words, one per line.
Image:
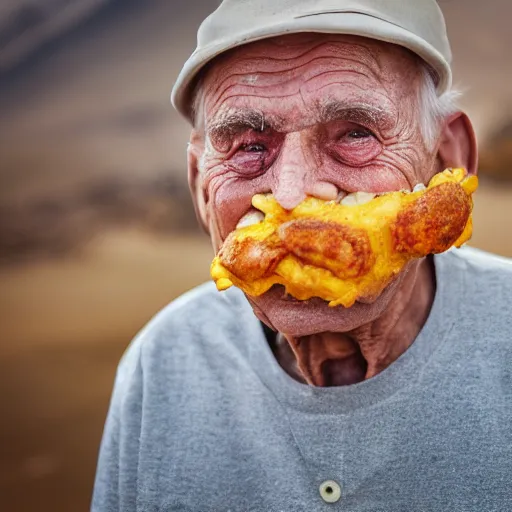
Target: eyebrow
column 227, row 126
column 359, row 113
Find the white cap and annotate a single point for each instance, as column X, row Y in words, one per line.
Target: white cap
column 414, row 24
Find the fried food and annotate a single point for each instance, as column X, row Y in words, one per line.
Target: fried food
column 345, row 252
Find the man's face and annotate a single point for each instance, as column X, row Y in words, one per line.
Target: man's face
column 306, row 115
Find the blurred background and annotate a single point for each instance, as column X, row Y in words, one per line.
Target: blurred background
column 97, row 231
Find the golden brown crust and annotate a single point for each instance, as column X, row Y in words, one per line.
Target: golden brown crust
column 345, row 251
column 251, row 259
column 433, row 222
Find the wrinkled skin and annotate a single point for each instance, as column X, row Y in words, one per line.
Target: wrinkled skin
column 313, row 114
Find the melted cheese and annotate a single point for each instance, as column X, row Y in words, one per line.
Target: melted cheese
column 376, row 218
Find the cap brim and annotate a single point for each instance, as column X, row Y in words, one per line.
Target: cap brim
column 347, row 23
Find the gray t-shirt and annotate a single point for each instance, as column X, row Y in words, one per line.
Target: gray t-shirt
column 204, row 419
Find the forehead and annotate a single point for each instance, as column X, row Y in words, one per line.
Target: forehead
column 299, row 74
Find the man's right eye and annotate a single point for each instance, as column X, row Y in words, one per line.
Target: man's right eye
column 253, row 148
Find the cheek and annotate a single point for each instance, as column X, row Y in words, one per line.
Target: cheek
column 358, row 152
column 392, row 169
column 378, row 176
column 229, row 198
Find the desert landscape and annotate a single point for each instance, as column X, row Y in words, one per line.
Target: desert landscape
column 97, row 232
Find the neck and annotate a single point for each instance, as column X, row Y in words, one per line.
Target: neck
column 334, row 359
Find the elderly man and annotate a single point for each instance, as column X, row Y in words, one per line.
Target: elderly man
column 266, row 402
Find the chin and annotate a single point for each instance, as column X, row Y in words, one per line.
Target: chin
column 303, row 318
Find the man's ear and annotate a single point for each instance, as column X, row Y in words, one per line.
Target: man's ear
column 195, row 181
column 458, row 146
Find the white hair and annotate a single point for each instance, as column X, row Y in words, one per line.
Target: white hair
column 432, row 111
column 197, row 107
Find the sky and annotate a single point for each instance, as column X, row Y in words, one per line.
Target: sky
column 27, row 24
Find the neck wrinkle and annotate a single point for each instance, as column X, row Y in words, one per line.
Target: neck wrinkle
column 380, row 343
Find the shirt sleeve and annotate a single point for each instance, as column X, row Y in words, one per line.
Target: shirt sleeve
column 115, row 486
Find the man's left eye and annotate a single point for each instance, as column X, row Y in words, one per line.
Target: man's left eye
column 359, row 133
column 355, row 146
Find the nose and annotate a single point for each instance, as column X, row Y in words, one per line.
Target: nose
column 296, row 176
column 290, row 173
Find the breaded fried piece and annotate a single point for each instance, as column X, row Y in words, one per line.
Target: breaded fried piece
column 433, row 222
column 344, row 250
column 251, row 259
